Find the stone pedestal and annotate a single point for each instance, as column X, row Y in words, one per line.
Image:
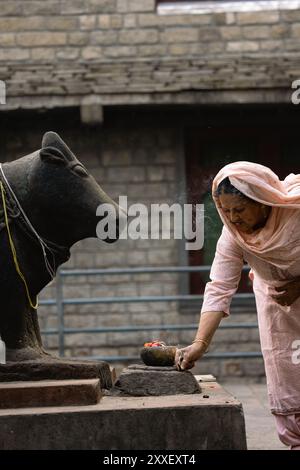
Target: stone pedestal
column 47, row 393
column 211, row 420
column 52, row 368
column 139, row 380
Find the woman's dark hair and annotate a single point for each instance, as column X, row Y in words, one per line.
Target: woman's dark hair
column 225, row 187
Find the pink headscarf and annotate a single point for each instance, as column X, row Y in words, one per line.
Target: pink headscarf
column 277, row 242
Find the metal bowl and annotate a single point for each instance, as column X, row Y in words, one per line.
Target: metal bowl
column 159, row 356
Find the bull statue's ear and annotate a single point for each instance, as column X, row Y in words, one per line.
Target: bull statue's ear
column 53, row 155
column 54, row 149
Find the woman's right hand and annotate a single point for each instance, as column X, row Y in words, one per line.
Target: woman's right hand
column 185, row 358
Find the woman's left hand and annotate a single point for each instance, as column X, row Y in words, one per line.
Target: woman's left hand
column 289, row 293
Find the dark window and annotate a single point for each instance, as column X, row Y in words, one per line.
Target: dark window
column 255, row 138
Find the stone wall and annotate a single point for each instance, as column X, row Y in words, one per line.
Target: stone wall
column 57, row 53
column 141, row 161
column 123, row 51
column 141, row 165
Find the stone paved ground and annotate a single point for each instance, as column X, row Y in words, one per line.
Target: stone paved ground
column 260, row 424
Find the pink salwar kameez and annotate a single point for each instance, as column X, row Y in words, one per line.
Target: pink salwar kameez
column 273, row 253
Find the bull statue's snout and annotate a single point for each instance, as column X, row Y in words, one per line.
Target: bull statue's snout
column 112, row 219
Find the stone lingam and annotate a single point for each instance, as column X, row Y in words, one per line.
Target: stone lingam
column 157, row 376
column 48, row 202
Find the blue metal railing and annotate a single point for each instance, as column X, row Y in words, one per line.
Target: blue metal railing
column 60, row 302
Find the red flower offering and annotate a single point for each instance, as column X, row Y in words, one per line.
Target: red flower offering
column 152, row 344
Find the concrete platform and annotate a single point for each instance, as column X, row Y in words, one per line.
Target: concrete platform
column 210, row 420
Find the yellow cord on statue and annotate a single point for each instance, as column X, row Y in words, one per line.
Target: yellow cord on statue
column 13, row 250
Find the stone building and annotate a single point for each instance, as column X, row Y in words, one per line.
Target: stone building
column 153, row 97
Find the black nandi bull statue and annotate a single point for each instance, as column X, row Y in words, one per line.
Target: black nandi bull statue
column 48, row 202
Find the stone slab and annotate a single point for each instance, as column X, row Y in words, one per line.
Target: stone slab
column 56, row 369
column 140, row 380
column 50, row 393
column 176, row 422
column 205, row 378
